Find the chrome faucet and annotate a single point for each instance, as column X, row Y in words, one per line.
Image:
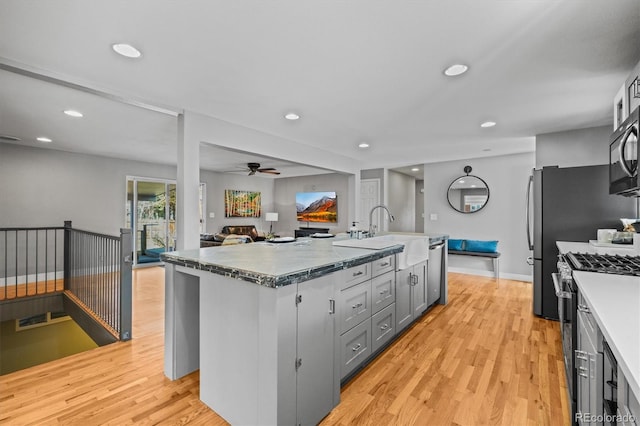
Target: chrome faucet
column 372, row 229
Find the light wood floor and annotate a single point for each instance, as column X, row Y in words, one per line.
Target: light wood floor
column 12, row 291
column 482, row 359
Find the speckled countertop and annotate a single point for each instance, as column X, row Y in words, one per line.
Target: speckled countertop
column 433, row 238
column 436, row 238
column 277, row 264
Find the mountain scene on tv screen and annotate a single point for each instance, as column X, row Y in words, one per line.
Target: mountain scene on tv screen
column 324, row 209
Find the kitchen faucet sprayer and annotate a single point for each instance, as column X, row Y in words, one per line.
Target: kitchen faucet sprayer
column 371, row 226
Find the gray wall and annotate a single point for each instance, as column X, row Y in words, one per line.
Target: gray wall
column 217, row 183
column 501, row 219
column 401, row 202
column 45, row 187
column 420, row 205
column 285, row 201
column 582, row 147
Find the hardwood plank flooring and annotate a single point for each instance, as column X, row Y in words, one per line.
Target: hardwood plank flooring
column 482, row 359
column 12, row 291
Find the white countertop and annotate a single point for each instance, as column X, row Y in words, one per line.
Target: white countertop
column 614, row 301
column 569, row 246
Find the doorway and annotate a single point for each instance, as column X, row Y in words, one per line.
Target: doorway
column 151, row 215
column 369, row 198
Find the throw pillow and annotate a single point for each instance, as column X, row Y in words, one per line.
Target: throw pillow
column 456, row 245
column 482, row 246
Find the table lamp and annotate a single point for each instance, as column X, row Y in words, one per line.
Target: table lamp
column 271, row 217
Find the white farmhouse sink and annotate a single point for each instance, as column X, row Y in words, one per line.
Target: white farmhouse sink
column 416, row 247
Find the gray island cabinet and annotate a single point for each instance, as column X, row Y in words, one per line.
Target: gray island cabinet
column 411, row 294
column 259, row 321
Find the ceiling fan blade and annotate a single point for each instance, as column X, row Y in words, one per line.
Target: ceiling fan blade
column 266, row 169
column 252, row 172
column 271, row 172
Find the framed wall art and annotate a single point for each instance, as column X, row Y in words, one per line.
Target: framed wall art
column 242, row 203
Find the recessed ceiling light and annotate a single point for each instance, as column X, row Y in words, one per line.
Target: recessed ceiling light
column 363, row 145
column 73, row 113
column 456, row 69
column 488, row 124
column 127, row 50
column 292, row 116
column 415, row 169
column 44, row 139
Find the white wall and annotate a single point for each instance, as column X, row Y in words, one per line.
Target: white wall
column 401, row 202
column 45, row 187
column 285, row 201
column 502, row 219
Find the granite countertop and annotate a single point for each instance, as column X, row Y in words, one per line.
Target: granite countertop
column 433, row 238
column 436, row 238
column 277, row 264
column 614, row 301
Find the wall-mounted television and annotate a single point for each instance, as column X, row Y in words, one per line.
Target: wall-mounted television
column 317, row 206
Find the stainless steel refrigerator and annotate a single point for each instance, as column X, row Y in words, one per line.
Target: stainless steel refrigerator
column 567, row 204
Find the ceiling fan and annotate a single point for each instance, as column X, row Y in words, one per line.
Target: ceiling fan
column 255, row 167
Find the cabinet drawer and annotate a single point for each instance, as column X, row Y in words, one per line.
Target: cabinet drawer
column 589, row 323
column 383, row 327
column 383, row 291
column 384, row 265
column 355, row 275
column 355, row 347
column 354, row 305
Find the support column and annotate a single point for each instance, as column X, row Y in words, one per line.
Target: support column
column 188, row 183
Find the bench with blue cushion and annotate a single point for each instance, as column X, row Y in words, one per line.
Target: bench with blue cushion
column 478, row 248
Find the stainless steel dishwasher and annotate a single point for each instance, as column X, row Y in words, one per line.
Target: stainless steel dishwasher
column 434, row 272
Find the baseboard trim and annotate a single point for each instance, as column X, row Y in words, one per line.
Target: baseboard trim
column 491, row 274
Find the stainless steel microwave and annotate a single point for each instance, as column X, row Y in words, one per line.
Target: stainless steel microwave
column 623, row 158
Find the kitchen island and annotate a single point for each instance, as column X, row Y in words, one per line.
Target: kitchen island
column 258, row 321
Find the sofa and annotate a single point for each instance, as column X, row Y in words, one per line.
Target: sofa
column 212, row 240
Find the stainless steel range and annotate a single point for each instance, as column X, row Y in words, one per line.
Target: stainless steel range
column 604, row 263
column 567, row 293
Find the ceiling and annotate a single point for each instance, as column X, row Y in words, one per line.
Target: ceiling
column 356, row 71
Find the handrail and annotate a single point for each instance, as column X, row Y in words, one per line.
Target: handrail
column 34, row 228
column 94, row 267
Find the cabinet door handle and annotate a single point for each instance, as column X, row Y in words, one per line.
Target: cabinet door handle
column 384, row 291
column 384, row 326
column 581, row 355
column 583, row 372
column 584, row 308
column 332, row 306
column 382, row 265
column 357, row 305
column 356, row 348
column 355, row 274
